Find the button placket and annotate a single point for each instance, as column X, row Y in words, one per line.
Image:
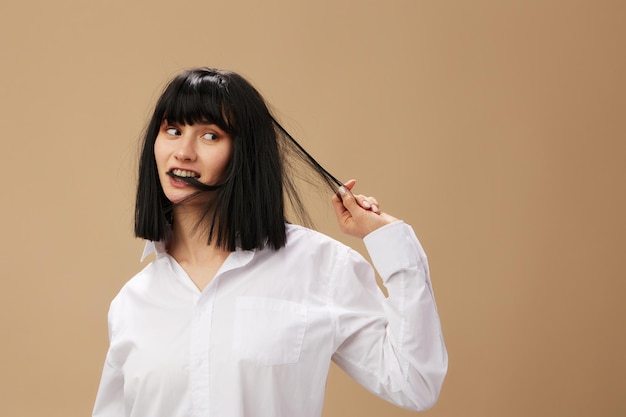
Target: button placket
column 199, row 354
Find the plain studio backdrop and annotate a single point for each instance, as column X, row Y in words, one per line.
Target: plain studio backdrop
column 495, row 128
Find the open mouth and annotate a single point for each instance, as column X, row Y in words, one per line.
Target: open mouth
column 191, row 178
column 183, row 174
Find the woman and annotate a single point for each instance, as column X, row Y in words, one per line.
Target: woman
column 241, row 312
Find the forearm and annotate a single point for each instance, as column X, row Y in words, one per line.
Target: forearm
column 399, row 355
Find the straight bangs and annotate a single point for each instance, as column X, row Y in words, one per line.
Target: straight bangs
column 196, row 98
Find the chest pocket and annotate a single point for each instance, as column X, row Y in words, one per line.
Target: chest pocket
column 267, row 330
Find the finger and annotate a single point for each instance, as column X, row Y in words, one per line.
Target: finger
column 368, row 203
column 348, row 200
column 363, row 201
column 342, row 208
column 338, row 206
column 348, row 185
column 374, row 203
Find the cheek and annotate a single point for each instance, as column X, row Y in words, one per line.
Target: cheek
column 222, row 159
column 225, row 160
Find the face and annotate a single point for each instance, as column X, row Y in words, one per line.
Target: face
column 199, row 150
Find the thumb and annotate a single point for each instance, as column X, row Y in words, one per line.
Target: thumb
column 347, row 198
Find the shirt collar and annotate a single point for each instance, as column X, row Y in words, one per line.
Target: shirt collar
column 237, row 258
column 152, row 247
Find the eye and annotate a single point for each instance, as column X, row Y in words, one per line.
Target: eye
column 209, row 136
column 172, row 131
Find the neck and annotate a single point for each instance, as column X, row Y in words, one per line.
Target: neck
column 189, row 241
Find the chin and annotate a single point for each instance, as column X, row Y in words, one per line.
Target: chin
column 188, row 199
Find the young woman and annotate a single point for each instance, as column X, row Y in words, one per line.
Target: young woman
column 241, row 312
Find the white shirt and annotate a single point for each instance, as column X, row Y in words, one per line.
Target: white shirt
column 259, row 339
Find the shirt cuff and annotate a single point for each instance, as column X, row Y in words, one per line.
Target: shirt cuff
column 393, row 247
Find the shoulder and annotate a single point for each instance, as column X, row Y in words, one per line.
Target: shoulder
column 141, row 283
column 147, row 287
column 318, row 252
column 302, row 238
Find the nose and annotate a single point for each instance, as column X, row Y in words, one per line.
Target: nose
column 185, row 150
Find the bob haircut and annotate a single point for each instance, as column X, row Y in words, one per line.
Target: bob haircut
column 246, row 209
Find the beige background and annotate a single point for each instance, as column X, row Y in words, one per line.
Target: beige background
column 496, row 128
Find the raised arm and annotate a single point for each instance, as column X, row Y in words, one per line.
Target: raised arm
column 393, row 347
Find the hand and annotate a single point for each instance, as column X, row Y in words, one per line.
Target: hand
column 358, row 215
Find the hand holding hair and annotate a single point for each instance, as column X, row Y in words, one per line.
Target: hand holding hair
column 216, row 171
column 358, row 215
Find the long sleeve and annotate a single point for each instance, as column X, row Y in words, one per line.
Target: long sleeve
column 393, row 347
column 257, row 341
column 110, row 397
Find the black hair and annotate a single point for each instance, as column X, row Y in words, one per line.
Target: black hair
column 247, row 208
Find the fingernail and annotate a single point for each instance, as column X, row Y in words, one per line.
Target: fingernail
column 366, row 204
column 342, row 190
column 375, row 208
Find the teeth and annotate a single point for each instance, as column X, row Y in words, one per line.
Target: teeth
column 184, row 173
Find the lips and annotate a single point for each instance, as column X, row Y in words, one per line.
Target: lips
column 183, row 173
column 183, row 177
